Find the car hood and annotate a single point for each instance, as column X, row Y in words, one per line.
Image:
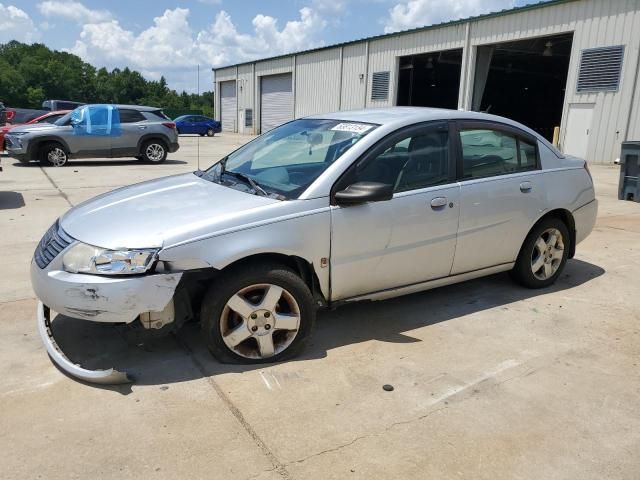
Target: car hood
column 163, row 212
column 36, row 127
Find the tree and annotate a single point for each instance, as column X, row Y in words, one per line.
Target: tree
column 30, row 74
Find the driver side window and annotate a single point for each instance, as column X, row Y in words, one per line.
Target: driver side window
column 417, row 160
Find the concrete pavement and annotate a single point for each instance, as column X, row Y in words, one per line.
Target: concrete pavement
column 490, row 380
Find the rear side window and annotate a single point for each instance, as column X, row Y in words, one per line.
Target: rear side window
column 158, row 115
column 131, row 116
column 487, row 152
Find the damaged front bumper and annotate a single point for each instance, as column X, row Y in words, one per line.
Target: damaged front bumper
column 98, row 299
column 105, row 377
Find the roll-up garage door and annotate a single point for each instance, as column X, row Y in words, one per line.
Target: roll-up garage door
column 276, row 102
column 228, row 106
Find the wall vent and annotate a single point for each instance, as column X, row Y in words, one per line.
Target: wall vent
column 380, row 86
column 600, row 69
column 248, row 117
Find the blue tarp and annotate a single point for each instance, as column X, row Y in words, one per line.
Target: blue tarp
column 100, row 120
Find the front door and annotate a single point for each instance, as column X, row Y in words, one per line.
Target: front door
column 501, row 194
column 406, row 240
column 92, row 127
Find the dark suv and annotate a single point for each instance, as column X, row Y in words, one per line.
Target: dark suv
column 97, row 131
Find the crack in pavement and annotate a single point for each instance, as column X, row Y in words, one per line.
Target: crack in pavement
column 369, row 435
column 278, row 466
column 55, row 185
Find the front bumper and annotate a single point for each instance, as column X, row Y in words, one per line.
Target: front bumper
column 98, row 298
column 105, row 377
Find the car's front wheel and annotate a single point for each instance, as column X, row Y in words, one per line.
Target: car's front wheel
column 53, row 155
column 154, row 151
column 210, row 132
column 543, row 254
column 258, row 314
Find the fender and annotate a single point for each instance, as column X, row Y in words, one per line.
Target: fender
column 34, row 146
column 151, row 136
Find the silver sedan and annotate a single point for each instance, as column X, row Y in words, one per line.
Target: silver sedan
column 333, row 208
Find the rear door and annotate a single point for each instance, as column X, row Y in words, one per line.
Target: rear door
column 133, row 125
column 410, row 238
column 501, row 193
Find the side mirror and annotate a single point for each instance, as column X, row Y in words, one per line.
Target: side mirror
column 362, row 192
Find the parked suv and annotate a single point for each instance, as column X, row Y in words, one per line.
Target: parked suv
column 96, row 131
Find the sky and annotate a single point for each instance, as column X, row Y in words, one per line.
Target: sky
column 172, row 37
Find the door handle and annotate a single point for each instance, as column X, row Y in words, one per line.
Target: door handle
column 525, row 187
column 438, row 202
column 142, row 127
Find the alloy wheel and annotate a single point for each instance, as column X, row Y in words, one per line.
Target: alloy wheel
column 57, row 157
column 260, row 321
column 155, row 152
column 548, row 251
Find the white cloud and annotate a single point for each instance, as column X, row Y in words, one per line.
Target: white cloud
column 73, row 10
column 172, row 47
column 15, row 24
column 330, row 7
column 418, row 13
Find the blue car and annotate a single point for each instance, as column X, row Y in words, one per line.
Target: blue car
column 197, row 124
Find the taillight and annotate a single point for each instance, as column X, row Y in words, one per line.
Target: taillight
column 586, row 167
column 170, row 125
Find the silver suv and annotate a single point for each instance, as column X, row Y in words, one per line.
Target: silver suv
column 96, row 131
column 323, row 210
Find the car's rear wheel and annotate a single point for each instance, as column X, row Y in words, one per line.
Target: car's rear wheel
column 154, row 151
column 210, row 132
column 259, row 314
column 543, row 254
column 53, row 155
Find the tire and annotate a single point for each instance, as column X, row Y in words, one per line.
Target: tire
column 154, row 151
column 244, row 338
column 53, row 154
column 210, row 132
column 541, row 259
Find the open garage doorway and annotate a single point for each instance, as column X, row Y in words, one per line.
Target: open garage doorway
column 430, row 79
column 524, row 80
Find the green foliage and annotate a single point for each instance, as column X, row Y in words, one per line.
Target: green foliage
column 30, row 74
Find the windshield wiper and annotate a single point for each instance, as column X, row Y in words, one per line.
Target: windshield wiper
column 247, row 179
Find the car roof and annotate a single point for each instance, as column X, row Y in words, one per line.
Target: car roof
column 403, row 116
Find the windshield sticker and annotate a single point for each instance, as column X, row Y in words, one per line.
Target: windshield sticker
column 352, row 127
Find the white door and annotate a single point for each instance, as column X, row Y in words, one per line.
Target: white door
column 408, row 239
column 576, row 139
column 228, row 108
column 276, row 101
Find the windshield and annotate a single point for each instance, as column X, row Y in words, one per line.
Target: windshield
column 64, row 120
column 286, row 160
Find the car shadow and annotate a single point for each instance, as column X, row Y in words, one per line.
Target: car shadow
column 184, row 357
column 11, row 200
column 102, row 163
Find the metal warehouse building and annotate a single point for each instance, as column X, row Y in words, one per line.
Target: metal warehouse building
column 567, row 63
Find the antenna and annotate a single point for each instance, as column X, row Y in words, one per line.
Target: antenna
column 198, row 137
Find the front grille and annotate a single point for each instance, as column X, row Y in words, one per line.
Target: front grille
column 8, row 141
column 54, row 241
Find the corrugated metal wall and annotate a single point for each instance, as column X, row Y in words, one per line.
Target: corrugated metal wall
column 329, row 79
column 317, row 82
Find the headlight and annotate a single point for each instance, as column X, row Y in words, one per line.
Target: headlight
column 18, row 134
column 83, row 258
